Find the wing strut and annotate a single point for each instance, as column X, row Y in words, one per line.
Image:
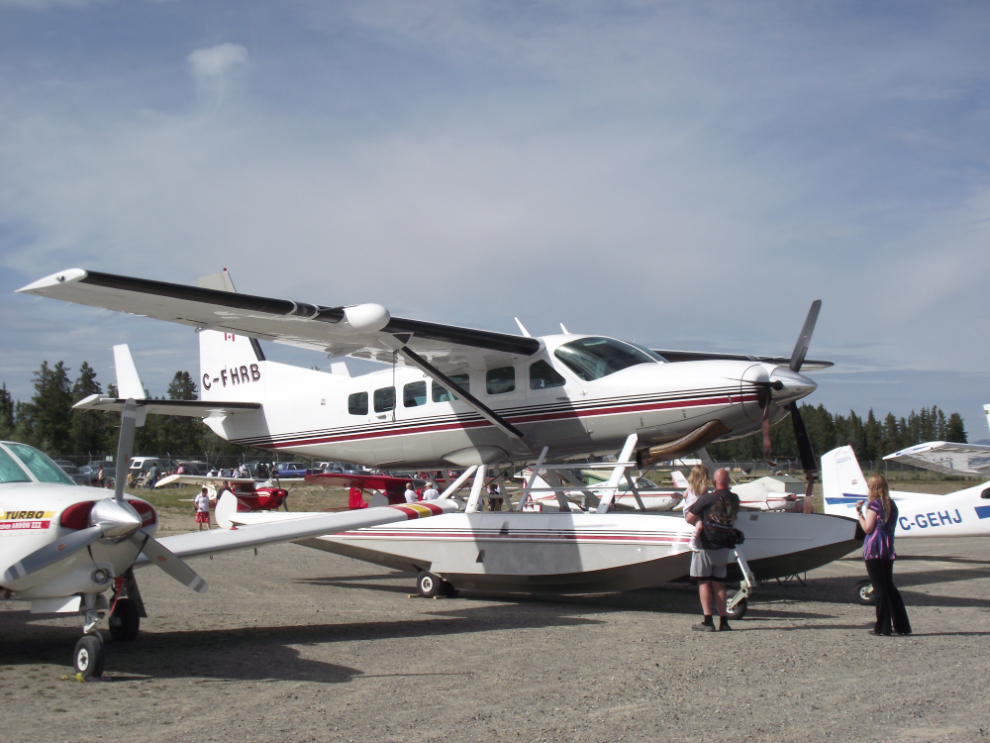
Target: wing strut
column 473, row 402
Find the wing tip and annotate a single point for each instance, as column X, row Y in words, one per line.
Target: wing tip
column 70, row 275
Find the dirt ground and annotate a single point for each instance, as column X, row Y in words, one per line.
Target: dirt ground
column 295, row 644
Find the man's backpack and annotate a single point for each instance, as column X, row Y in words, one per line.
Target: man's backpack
column 718, row 521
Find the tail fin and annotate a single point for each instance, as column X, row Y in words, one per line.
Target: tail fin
column 987, row 409
column 680, row 482
column 128, row 382
column 843, row 482
column 231, row 367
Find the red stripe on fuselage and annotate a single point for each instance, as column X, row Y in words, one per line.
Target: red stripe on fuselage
column 515, row 420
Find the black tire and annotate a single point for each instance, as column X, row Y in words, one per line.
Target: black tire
column 864, row 593
column 739, row 610
column 429, row 585
column 125, row 621
column 88, row 657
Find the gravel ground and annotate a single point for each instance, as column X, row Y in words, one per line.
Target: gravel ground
column 294, row 644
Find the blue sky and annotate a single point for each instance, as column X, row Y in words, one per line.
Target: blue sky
column 684, row 174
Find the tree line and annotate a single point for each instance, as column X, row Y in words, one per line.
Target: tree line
column 871, row 438
column 49, row 422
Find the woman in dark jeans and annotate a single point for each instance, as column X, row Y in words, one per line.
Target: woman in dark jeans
column 879, row 519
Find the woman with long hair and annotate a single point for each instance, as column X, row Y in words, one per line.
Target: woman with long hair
column 698, row 484
column 878, row 520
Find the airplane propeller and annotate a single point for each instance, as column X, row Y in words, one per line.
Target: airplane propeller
column 112, row 519
column 809, row 461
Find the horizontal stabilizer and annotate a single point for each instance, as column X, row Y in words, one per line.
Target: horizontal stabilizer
column 188, row 408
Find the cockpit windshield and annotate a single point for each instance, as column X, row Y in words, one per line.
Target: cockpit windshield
column 594, row 358
column 10, row 471
column 37, row 463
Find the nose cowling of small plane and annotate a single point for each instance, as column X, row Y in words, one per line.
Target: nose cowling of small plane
column 789, row 386
column 118, row 519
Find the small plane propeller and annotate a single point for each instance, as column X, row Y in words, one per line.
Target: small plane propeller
column 112, row 519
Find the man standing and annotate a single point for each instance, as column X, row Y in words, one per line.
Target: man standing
column 431, row 492
column 410, row 494
column 717, row 512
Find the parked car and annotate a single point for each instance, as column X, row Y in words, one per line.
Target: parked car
column 74, row 472
column 92, row 471
column 193, row 468
column 292, row 469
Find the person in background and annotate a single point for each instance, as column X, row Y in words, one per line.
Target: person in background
column 879, row 519
column 698, row 484
column 203, row 509
column 708, row 565
column 410, row 494
column 431, row 492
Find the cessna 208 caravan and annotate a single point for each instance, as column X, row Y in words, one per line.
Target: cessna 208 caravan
column 450, row 396
column 453, row 396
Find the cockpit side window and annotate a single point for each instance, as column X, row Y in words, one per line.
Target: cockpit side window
column 10, row 471
column 43, row 468
column 594, row 358
column 357, row 403
column 384, row 399
column 542, row 375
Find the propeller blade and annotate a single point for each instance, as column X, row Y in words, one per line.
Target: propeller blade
column 125, row 445
column 53, row 552
column 808, row 460
column 170, row 563
column 801, row 348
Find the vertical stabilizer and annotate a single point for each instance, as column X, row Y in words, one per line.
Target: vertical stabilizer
column 843, row 482
column 987, row 409
column 680, row 482
column 231, row 366
column 128, row 382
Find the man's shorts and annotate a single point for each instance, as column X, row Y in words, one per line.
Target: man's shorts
column 710, row 564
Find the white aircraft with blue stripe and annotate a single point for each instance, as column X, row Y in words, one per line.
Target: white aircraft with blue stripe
column 965, row 513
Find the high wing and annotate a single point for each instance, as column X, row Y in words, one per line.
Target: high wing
column 187, row 408
column 297, row 526
column 946, row 457
column 364, row 331
column 677, row 356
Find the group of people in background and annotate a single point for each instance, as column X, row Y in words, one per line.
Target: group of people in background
column 712, row 513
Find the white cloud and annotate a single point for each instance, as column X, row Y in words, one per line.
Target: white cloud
column 214, row 68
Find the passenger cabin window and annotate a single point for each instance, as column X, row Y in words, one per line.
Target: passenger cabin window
column 384, row 399
column 414, row 394
column 357, row 404
column 501, row 380
column 542, row 375
column 594, row 358
column 442, row 394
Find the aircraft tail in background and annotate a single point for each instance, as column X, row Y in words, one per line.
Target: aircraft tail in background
column 843, row 483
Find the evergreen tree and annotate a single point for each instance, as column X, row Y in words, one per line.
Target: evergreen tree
column 50, row 409
column 955, row 431
column 88, row 427
column 6, row 413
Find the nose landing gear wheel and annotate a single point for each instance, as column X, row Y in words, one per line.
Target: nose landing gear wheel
column 864, row 593
column 89, row 657
column 739, row 610
column 124, row 621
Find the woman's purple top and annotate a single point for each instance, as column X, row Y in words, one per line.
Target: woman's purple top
column 880, row 544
